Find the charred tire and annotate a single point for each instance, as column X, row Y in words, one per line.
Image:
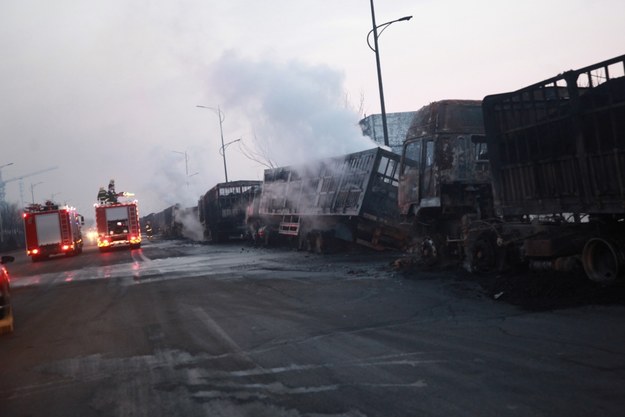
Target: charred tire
column 39, row 258
column 267, row 239
column 603, row 260
column 303, row 243
column 431, row 250
column 485, row 255
column 319, row 243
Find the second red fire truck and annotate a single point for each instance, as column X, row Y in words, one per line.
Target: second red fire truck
column 51, row 229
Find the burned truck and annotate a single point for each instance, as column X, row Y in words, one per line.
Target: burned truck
column 540, row 183
column 317, row 206
column 445, row 179
column 222, row 210
column 557, row 155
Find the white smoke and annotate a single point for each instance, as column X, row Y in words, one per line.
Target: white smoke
column 297, row 110
column 191, row 226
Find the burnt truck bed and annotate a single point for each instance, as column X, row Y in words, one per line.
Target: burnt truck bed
column 353, row 197
column 558, row 146
column 222, row 210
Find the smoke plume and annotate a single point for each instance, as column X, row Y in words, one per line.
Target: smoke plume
column 297, row 110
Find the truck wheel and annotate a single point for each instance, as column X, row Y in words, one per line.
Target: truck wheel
column 319, row 243
column 431, row 250
column 485, row 255
column 603, row 260
column 38, row 258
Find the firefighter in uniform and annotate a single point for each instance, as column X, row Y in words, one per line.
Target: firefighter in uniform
column 112, row 196
column 102, row 195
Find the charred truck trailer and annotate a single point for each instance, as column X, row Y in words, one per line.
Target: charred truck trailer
column 557, row 155
column 164, row 222
column 52, row 230
column 118, row 225
column 542, row 185
column 222, row 210
column 350, row 198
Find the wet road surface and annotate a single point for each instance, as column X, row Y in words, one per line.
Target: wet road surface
column 229, row 330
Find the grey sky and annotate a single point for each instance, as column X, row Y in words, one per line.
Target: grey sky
column 108, row 89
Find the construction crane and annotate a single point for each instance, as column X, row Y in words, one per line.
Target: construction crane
column 2, row 195
column 19, row 177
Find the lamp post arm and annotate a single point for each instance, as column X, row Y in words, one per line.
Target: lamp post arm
column 383, row 26
column 375, row 49
column 222, row 117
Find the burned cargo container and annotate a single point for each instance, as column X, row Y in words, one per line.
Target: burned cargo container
column 222, row 210
column 351, row 198
column 557, row 154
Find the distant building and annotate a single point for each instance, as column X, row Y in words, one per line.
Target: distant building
column 396, row 123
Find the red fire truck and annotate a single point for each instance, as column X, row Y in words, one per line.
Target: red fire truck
column 118, row 225
column 51, row 229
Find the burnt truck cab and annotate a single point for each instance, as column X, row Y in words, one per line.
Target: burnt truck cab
column 445, row 172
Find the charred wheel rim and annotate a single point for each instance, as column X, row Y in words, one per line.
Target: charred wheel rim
column 603, row 260
column 485, row 255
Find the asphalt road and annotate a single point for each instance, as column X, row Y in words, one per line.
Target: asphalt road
column 179, row 329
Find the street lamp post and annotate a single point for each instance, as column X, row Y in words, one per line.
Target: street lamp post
column 222, row 152
column 186, row 166
column 6, row 165
column 222, row 117
column 32, row 190
column 377, row 61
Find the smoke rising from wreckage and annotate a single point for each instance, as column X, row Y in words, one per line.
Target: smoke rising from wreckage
column 489, row 185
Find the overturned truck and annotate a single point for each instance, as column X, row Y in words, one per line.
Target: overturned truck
column 318, row 206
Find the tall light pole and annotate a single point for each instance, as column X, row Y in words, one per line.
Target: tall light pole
column 377, row 61
column 32, row 190
column 6, row 165
column 222, row 152
column 186, row 166
column 222, row 117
